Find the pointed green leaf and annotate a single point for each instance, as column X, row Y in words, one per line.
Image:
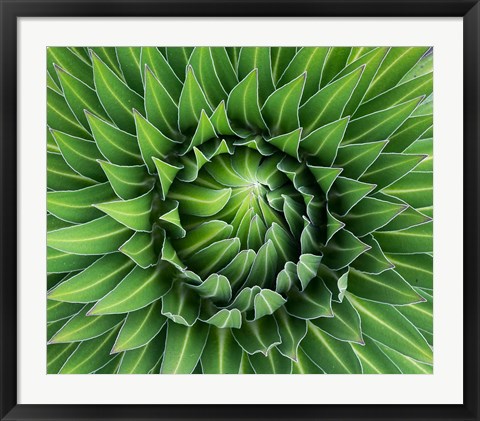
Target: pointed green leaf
column 142, row 360
column 328, row 104
column 95, row 281
column 79, row 97
column 61, row 118
column 373, row 360
column 57, row 310
column 370, row 214
column 344, row 325
column 216, row 287
column 58, row 354
column 60, row 175
column 258, row 336
column 198, row 238
column 192, row 102
column 116, row 97
column 346, row 193
column 72, row 63
column 129, row 61
column 416, row 188
column 349, row 245
column 273, row 363
column 242, row 104
column 388, row 287
column 204, row 131
column 238, row 269
column 408, row 132
column 325, row 176
column 371, row 60
column 307, row 268
column 292, row 331
column 220, row 121
column 140, row 248
column 305, row 365
column 336, row 60
column 181, row 304
column 283, row 243
column 256, row 233
column 214, row 257
column 202, row 63
column 416, row 268
column 423, row 66
column 263, row 267
column 223, row 67
column 221, row 355
column 323, row 143
column 390, row 167
column 170, row 221
column 60, row 262
column 405, row 364
column 128, row 182
column 199, row 201
column 81, row 155
column 281, row 58
column 226, row 319
column 184, row 347
column 397, row 95
column 161, row 109
column 133, row 213
column 293, row 212
column 178, row 58
column 288, row 143
column 310, row 60
column 82, row 327
column 379, row 125
column 257, row 58
column 155, row 61
column 76, row 205
column 99, row 236
column 397, row 63
column 221, row 170
column 90, row 355
column 267, row 302
column 140, row 327
column 280, row 111
column 386, row 325
column 418, row 239
column 373, row 260
column 246, row 163
column 287, row 278
column 313, row 302
column 420, row 314
column 331, row 355
column 109, row 56
column 356, row 159
column 117, row 146
column 138, row 289
column 54, row 223
column 151, row 141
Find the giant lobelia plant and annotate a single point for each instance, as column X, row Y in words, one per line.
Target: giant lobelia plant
column 239, row 210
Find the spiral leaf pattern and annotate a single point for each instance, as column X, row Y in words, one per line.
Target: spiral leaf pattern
column 239, row 210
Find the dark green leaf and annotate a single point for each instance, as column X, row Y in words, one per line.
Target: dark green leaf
column 331, row 355
column 184, row 347
column 103, row 235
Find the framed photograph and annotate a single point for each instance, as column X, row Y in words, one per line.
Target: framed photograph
column 239, row 210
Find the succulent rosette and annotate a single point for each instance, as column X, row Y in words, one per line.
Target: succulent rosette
column 239, row 210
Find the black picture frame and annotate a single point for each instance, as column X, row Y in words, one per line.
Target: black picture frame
column 10, row 10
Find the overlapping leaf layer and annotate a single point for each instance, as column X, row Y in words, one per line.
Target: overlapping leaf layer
column 240, row 210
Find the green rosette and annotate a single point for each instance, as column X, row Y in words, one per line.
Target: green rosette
column 239, row 210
